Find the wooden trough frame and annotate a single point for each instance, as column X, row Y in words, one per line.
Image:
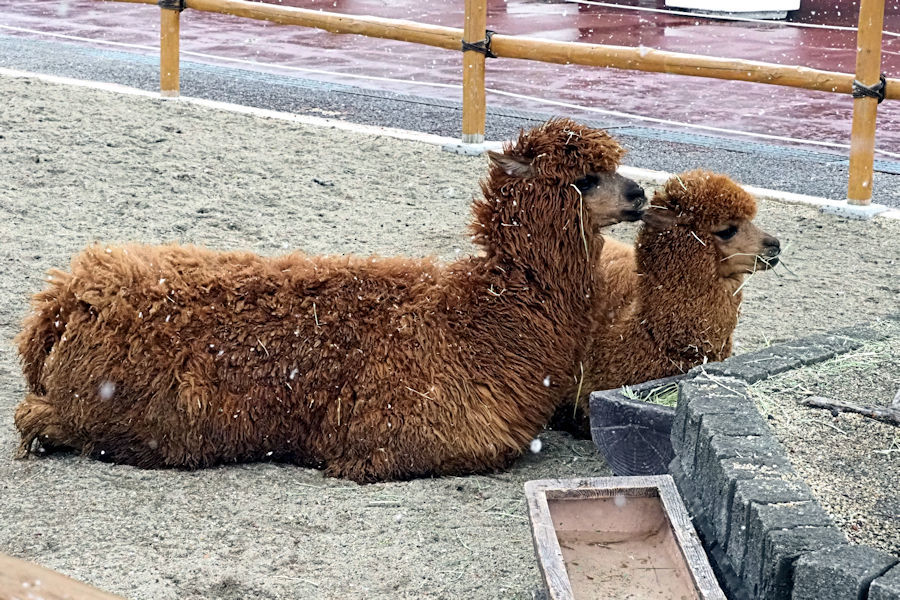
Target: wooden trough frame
column 868, row 63
column 21, row 579
column 621, row 530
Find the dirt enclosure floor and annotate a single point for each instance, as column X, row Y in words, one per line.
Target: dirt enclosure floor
column 78, row 165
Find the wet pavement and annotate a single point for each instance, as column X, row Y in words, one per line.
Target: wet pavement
column 434, row 73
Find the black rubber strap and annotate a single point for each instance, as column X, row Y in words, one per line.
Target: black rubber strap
column 876, row 91
column 483, row 47
column 172, row 4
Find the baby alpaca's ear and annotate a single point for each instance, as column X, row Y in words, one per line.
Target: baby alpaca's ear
column 515, row 167
column 659, row 219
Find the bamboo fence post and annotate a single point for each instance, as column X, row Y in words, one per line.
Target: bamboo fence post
column 169, row 34
column 865, row 110
column 473, row 73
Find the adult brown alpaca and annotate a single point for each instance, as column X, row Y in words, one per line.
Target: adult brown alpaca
column 671, row 302
column 371, row 368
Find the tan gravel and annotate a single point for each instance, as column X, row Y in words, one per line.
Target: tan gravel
column 79, row 165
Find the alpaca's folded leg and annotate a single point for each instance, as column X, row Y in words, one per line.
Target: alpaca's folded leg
column 37, row 419
column 358, row 470
column 370, row 467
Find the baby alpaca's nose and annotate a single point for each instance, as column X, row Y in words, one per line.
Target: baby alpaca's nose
column 635, row 194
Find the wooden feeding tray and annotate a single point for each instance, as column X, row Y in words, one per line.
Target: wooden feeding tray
column 617, row 537
column 20, row 579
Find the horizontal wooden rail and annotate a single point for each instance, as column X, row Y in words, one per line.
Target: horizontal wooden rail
column 661, row 61
column 391, row 29
column 507, row 46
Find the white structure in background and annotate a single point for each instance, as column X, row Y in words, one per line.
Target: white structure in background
column 753, row 9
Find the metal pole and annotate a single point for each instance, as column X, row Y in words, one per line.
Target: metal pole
column 868, row 70
column 473, row 74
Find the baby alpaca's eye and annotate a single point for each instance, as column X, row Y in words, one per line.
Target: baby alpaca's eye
column 586, row 183
column 727, row 233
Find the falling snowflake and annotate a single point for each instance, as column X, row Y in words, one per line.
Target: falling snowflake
column 107, row 389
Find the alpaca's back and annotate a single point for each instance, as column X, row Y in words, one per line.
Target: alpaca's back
column 228, row 352
column 176, row 338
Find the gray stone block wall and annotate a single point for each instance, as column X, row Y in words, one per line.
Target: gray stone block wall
column 766, row 535
column 781, row 549
column 886, row 587
column 839, row 573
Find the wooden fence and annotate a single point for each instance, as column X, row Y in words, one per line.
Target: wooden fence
column 868, row 64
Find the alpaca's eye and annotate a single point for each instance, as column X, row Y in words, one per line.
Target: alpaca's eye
column 727, row 233
column 586, row 183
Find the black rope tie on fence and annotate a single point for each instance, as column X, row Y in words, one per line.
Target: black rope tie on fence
column 482, row 47
column 172, row 4
column 877, row 90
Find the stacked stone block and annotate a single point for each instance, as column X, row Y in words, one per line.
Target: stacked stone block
column 766, row 535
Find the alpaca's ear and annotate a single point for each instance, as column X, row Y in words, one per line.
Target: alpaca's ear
column 659, row 219
column 516, row 167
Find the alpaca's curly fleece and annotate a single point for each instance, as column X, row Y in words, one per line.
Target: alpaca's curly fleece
column 679, row 312
column 371, row 368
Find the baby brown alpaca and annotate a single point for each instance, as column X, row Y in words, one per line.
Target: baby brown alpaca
column 672, row 302
column 371, row 368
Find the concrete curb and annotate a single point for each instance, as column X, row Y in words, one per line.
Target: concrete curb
column 766, row 535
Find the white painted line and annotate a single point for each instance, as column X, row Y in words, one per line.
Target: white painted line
column 652, row 177
column 644, row 175
column 863, row 212
column 825, row 205
column 85, row 83
column 790, row 197
column 400, row 134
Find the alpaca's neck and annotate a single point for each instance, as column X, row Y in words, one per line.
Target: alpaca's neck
column 540, row 231
column 536, row 288
column 688, row 311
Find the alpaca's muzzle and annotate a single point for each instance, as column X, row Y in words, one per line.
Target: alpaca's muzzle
column 771, row 250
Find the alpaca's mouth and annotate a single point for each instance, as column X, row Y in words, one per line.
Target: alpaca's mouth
column 766, row 263
column 768, row 258
column 632, row 215
column 639, row 206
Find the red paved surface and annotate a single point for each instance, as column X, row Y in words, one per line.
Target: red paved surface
column 741, row 106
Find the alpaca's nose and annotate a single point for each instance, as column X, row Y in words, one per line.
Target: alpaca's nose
column 635, row 194
column 771, row 249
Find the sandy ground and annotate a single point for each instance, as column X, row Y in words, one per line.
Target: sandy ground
column 78, row 165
